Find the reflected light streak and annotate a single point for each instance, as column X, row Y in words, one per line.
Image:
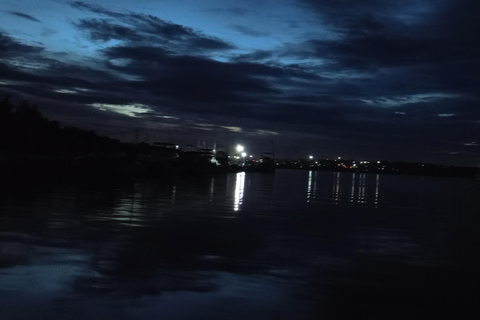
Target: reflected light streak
column 352, row 195
column 174, row 193
column 128, row 209
column 377, row 183
column 336, row 188
column 309, row 186
column 362, row 192
column 212, row 189
column 239, row 188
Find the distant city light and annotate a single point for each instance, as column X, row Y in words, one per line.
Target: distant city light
column 244, row 154
column 311, row 157
column 240, row 148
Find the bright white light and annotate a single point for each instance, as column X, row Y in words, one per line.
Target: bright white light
column 240, row 148
column 311, row 157
column 244, row 154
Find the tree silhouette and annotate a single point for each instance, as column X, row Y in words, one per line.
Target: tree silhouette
column 25, row 131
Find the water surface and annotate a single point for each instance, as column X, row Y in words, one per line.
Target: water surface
column 289, row 245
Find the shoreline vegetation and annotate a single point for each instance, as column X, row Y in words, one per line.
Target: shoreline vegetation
column 32, row 145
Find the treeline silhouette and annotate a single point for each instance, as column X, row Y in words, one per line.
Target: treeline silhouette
column 33, row 146
column 25, row 131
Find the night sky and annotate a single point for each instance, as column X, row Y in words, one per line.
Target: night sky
column 371, row 79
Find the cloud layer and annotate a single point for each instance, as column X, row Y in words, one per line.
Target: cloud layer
column 382, row 80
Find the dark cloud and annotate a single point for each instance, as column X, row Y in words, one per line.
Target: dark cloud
column 24, row 16
column 361, row 16
column 193, row 80
column 34, row 75
column 256, row 56
column 141, row 28
column 384, row 34
column 102, row 30
column 149, row 30
column 402, row 58
column 94, row 8
column 248, row 31
column 11, row 47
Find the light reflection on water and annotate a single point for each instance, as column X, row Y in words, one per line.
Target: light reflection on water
column 239, row 188
column 246, row 245
column 353, row 188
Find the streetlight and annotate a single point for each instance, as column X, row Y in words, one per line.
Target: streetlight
column 240, row 149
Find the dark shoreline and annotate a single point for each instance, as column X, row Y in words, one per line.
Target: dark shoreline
column 111, row 167
column 389, row 167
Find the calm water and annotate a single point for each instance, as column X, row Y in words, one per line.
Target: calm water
column 290, row 245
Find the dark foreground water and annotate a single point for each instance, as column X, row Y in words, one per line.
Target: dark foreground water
column 289, row 245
